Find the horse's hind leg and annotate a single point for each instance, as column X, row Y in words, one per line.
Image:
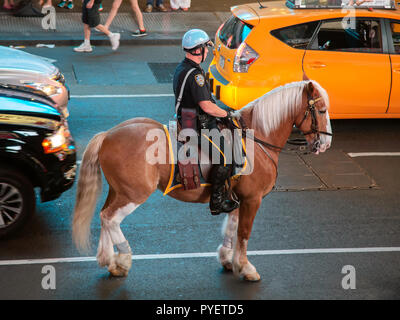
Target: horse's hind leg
column 111, row 217
column 225, row 250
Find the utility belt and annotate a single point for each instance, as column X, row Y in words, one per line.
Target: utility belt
column 189, row 119
column 204, row 121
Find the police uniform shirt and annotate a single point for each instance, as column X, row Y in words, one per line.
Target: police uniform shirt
column 196, row 88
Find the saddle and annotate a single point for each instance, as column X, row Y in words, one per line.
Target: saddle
column 193, row 171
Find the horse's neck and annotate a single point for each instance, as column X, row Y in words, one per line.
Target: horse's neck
column 277, row 137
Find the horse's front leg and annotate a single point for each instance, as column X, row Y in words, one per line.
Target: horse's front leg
column 229, row 229
column 241, row 265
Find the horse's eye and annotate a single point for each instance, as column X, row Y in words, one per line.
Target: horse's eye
column 321, row 111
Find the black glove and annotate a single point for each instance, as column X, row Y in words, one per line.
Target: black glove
column 227, row 120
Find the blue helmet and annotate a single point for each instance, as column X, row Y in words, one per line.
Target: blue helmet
column 194, row 39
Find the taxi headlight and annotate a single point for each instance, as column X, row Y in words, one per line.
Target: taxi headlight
column 47, row 89
column 59, row 77
column 57, row 141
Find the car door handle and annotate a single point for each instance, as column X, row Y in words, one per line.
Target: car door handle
column 316, row 65
column 396, row 70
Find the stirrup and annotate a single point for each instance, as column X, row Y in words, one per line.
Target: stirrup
column 226, row 206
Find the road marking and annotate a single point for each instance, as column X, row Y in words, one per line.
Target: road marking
column 122, row 96
column 373, row 154
column 204, row 255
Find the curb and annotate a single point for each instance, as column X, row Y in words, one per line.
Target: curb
column 98, row 42
column 102, row 40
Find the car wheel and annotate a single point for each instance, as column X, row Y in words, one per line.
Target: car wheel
column 17, row 201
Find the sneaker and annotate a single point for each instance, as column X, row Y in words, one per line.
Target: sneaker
column 114, row 39
column 161, row 8
column 83, row 48
column 62, row 4
column 100, row 7
column 185, row 9
column 139, row 33
column 149, row 8
column 70, row 5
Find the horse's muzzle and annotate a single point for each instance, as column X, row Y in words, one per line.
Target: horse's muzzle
column 315, row 148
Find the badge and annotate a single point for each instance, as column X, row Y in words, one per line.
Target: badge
column 199, row 79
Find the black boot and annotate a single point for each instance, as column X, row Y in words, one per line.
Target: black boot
column 219, row 201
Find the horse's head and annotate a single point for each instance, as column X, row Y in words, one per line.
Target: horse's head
column 314, row 120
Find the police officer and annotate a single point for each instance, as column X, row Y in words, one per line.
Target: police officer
column 193, row 95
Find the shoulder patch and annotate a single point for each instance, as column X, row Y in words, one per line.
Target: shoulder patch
column 199, row 79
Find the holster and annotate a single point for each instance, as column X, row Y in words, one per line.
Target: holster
column 189, row 118
column 189, row 172
column 190, row 175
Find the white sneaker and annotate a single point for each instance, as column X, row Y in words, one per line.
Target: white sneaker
column 84, row 48
column 114, row 39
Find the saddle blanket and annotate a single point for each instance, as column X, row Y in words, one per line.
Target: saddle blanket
column 175, row 180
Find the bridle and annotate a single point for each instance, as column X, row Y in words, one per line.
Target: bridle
column 311, row 110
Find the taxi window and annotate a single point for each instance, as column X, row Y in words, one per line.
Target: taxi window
column 395, row 28
column 355, row 35
column 338, row 4
column 297, row 36
column 234, row 32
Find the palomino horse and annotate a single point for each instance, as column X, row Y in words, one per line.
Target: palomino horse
column 119, row 153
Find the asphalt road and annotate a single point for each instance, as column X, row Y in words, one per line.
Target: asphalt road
column 351, row 219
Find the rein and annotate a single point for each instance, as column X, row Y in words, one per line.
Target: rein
column 243, row 128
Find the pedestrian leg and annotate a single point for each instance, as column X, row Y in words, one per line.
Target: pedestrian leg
column 138, row 13
column 114, row 10
column 114, row 37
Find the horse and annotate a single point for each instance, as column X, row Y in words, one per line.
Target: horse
column 119, row 154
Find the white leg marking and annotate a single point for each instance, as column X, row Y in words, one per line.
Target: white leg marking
column 119, row 264
column 105, row 251
column 225, row 250
column 113, row 225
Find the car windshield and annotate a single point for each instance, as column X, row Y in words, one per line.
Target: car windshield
column 234, row 32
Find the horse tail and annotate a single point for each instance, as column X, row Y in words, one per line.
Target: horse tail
column 89, row 188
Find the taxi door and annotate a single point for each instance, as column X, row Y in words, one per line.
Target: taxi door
column 394, row 45
column 348, row 61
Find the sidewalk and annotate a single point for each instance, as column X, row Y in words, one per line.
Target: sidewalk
column 163, row 27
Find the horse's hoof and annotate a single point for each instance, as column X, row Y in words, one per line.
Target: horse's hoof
column 252, row 277
column 227, row 267
column 117, row 271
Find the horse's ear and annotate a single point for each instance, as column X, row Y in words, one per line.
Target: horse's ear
column 310, row 87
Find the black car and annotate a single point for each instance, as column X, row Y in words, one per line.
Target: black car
column 36, row 150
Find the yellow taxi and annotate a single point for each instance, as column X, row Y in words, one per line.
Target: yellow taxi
column 352, row 48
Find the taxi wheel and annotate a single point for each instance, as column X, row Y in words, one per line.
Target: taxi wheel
column 17, row 201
